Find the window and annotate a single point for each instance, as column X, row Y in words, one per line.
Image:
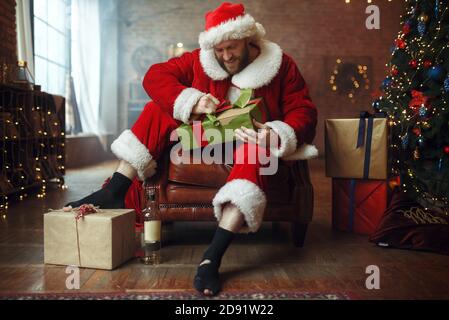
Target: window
column 51, row 21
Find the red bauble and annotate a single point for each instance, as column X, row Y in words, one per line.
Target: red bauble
column 406, row 29
column 427, row 64
column 400, row 43
column 413, row 63
column 417, row 131
column 394, row 71
column 446, row 149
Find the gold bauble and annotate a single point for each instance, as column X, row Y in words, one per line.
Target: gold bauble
column 423, row 17
column 416, row 154
column 426, row 125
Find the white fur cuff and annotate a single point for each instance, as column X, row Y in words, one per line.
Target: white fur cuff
column 288, row 150
column 304, row 152
column 185, row 102
column 129, row 148
column 248, row 197
column 287, row 136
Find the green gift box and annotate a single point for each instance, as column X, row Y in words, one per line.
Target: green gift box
column 219, row 127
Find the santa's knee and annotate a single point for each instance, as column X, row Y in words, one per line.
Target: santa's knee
column 129, row 148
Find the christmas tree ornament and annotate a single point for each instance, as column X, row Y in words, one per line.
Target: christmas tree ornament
column 446, row 149
column 387, row 82
column 413, row 63
column 427, row 64
column 422, row 111
column 400, row 43
column 406, row 29
column 418, row 100
column 376, row 105
column 417, row 131
column 446, row 85
column 416, row 154
column 394, row 71
column 440, row 164
column 404, row 141
column 421, row 28
column 436, row 72
column 394, row 182
column 423, row 17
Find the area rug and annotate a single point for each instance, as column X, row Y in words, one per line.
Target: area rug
column 178, row 295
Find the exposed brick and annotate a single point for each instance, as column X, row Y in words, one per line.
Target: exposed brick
column 8, row 43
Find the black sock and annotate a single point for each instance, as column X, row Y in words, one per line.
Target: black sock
column 207, row 274
column 221, row 241
column 111, row 196
column 119, row 184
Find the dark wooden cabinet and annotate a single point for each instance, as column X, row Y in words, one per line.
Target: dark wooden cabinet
column 32, row 129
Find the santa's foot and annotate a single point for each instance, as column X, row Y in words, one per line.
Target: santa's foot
column 206, row 279
column 111, row 196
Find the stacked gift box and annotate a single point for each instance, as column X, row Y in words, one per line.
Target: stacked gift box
column 357, row 161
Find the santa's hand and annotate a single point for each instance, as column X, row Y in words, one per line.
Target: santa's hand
column 207, row 104
column 262, row 137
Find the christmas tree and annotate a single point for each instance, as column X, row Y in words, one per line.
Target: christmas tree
column 415, row 97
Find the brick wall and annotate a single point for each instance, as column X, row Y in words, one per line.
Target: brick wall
column 314, row 32
column 8, row 40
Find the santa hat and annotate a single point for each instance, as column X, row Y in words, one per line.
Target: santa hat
column 229, row 22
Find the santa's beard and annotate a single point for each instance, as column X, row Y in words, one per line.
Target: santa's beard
column 239, row 65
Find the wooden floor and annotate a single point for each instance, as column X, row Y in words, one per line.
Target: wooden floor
column 330, row 261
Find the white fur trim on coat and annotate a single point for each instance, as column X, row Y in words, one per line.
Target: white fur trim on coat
column 263, row 69
column 287, row 136
column 247, row 197
column 211, row 66
column 185, row 102
column 304, row 152
column 127, row 147
column 288, row 150
column 241, row 27
column 257, row 74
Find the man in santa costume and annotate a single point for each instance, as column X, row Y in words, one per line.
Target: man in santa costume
column 233, row 55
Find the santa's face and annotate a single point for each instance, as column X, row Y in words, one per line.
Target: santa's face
column 232, row 55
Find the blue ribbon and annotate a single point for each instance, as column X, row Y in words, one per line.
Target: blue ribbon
column 352, row 185
column 369, row 135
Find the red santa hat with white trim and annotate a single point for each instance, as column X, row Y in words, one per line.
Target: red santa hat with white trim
column 229, row 22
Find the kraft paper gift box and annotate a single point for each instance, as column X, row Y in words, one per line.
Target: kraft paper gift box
column 219, row 127
column 358, row 205
column 357, row 148
column 102, row 240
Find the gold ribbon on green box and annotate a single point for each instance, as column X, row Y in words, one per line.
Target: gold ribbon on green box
column 219, row 127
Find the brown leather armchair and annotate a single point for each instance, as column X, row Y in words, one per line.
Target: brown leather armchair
column 185, row 193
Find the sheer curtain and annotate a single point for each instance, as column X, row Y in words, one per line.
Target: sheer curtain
column 24, row 35
column 85, row 56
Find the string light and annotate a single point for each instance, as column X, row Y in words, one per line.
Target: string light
column 42, row 143
column 359, row 79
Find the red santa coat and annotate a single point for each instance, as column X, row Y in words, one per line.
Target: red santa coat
column 178, row 84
